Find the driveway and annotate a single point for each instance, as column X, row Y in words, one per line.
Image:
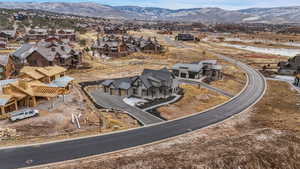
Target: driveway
column 116, row 102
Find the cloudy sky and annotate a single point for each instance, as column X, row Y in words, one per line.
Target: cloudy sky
column 177, row 4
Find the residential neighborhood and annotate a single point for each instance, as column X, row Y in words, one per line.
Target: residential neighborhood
column 156, row 85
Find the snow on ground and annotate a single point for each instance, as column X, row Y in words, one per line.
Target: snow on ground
column 263, row 41
column 133, row 101
column 272, row 51
column 285, row 78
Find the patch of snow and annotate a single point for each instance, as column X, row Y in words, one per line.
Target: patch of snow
column 253, row 18
column 272, row 51
column 285, row 78
column 133, row 101
column 296, row 44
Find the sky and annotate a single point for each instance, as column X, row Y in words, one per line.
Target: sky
column 178, row 4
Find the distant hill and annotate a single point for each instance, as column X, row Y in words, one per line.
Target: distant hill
column 206, row 15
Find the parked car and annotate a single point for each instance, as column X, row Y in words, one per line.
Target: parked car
column 23, row 114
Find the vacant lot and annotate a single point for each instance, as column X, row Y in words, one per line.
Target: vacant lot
column 234, row 79
column 266, row 137
column 195, row 100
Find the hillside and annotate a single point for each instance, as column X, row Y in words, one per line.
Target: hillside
column 205, row 15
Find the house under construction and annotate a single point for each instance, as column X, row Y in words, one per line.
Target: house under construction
column 33, row 84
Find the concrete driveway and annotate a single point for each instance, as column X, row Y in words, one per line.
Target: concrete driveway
column 116, row 102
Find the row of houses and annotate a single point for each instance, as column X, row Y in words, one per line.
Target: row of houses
column 46, row 53
column 61, row 34
column 33, row 85
column 154, row 84
column 41, row 54
column 112, row 46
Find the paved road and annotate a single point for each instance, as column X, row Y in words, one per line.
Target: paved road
column 222, row 92
column 68, row 150
column 116, row 102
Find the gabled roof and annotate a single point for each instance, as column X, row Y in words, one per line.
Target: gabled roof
column 49, row 50
column 40, row 72
column 190, row 67
column 24, row 51
column 11, row 33
column 162, row 76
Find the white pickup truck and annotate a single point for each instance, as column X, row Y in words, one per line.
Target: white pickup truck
column 23, row 114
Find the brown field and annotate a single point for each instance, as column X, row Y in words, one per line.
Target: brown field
column 194, row 100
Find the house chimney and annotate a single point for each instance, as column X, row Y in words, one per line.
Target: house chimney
column 23, row 84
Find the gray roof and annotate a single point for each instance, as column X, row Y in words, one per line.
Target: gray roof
column 11, row 33
column 4, row 60
column 189, row 67
column 208, row 62
column 47, row 49
column 150, row 78
column 198, row 66
column 24, row 51
column 107, row 82
column 162, row 77
column 125, row 85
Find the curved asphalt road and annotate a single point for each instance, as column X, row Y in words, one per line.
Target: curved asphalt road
column 68, row 150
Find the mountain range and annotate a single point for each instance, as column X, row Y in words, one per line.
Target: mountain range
column 206, row 15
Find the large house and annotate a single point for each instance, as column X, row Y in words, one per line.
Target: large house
column 6, row 67
column 47, row 54
column 291, row 67
column 150, row 46
column 8, row 34
column 185, row 37
column 32, row 86
column 151, row 84
column 65, row 34
column 37, row 34
column 61, row 34
column 207, row 68
column 111, row 48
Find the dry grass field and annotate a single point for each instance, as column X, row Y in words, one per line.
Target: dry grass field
column 195, row 100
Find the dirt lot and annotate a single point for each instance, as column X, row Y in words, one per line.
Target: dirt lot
column 56, row 123
column 265, row 137
column 195, row 100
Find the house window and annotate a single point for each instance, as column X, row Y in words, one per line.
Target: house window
column 135, row 92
